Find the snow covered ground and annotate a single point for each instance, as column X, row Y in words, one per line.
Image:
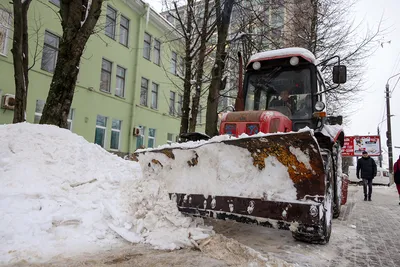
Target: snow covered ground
column 67, row 202
column 63, row 196
column 60, row 192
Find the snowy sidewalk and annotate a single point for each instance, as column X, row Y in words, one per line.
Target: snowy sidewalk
column 377, row 224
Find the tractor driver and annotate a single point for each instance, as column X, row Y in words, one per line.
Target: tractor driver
column 284, row 101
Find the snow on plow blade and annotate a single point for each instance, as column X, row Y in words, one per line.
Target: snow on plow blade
column 273, row 180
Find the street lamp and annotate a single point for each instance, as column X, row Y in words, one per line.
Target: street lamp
column 389, row 127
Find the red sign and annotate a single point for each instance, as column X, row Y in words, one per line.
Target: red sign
column 355, row 145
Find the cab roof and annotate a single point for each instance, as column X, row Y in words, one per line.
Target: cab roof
column 284, row 53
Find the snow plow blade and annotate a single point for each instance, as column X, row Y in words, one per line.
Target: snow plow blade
column 277, row 180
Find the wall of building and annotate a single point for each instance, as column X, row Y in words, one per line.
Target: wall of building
column 89, row 101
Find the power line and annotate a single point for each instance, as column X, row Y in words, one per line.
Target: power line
column 395, row 85
column 396, row 63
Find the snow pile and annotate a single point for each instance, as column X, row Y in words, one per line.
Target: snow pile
column 62, row 194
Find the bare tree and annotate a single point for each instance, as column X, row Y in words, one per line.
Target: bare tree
column 20, row 57
column 325, row 28
column 195, row 25
column 223, row 18
column 78, row 20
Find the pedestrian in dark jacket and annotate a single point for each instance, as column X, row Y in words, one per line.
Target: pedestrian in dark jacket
column 396, row 169
column 368, row 169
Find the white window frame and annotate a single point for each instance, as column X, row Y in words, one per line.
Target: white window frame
column 174, row 62
column 157, row 52
column 6, row 26
column 71, row 120
column 180, row 104
column 50, row 47
column 156, row 94
column 113, row 21
column 147, row 44
column 181, row 64
column 55, row 2
column 39, row 114
column 119, row 134
column 108, row 89
column 142, row 135
column 172, row 103
column 169, row 141
column 126, row 28
column 141, row 92
column 123, row 78
column 105, row 131
column 149, row 137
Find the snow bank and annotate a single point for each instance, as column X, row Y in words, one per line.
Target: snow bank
column 60, row 194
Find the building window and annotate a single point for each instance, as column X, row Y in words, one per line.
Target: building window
column 152, row 138
column 124, row 31
column 115, row 134
column 154, row 96
column 198, row 120
column 106, row 68
column 5, row 23
column 70, row 118
column 172, row 103
column 38, row 110
column 173, row 62
column 170, row 19
column 181, row 66
column 157, row 52
column 120, row 90
column 180, row 101
column 56, row 2
column 144, row 89
column 140, row 138
column 50, row 52
column 100, row 134
column 111, row 19
column 147, row 46
column 170, row 137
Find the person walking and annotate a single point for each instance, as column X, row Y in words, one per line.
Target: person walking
column 368, row 169
column 396, row 169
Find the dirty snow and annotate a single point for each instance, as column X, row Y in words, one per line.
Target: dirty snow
column 222, row 170
column 220, row 138
column 301, row 156
column 62, row 194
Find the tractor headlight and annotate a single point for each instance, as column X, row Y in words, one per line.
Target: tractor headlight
column 256, row 65
column 294, row 61
column 319, row 106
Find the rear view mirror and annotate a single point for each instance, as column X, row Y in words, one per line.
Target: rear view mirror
column 339, row 74
column 332, row 120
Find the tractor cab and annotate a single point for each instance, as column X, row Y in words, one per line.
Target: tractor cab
column 286, row 81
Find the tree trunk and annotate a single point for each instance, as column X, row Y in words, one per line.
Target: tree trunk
column 223, row 21
column 200, row 69
column 20, row 58
column 188, row 70
column 78, row 24
column 314, row 27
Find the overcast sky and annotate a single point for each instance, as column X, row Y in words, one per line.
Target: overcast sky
column 370, row 111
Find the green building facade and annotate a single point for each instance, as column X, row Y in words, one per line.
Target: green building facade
column 128, row 91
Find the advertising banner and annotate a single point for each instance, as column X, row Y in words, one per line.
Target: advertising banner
column 355, row 145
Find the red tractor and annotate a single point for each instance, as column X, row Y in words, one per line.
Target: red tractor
column 279, row 119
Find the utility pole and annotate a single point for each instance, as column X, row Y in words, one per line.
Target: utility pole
column 380, row 148
column 389, row 130
column 389, row 127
